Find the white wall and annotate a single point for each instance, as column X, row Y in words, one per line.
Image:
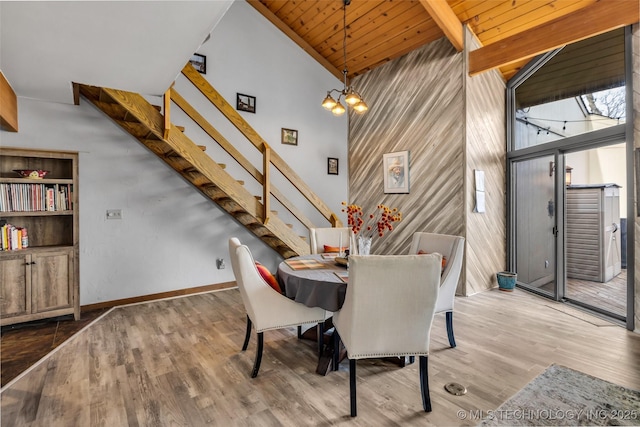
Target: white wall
column 170, row 235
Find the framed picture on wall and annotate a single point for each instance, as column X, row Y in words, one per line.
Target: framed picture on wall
column 289, row 136
column 199, row 62
column 396, row 172
column 245, row 103
column 332, row 166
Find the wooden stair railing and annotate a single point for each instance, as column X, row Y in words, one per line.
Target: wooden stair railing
column 238, row 121
column 243, row 161
column 133, row 113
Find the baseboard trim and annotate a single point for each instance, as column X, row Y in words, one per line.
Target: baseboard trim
column 161, row 295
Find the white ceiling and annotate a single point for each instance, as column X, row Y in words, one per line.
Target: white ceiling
column 139, row 46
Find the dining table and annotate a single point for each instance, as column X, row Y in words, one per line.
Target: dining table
column 316, row 280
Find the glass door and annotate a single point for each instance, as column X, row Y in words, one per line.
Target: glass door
column 595, row 229
column 534, row 229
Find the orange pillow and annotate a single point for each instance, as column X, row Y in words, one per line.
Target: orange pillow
column 444, row 258
column 334, row 249
column 268, row 277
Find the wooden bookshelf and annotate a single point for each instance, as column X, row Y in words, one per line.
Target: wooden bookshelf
column 41, row 280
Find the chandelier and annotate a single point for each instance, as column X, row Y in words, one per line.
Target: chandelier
column 351, row 97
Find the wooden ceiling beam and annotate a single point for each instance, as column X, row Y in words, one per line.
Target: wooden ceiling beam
column 587, row 22
column 9, row 103
column 448, row 22
column 264, row 11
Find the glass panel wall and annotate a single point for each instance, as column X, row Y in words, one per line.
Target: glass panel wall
column 568, row 108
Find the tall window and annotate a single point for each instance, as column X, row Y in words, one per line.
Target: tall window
column 580, row 89
column 568, row 178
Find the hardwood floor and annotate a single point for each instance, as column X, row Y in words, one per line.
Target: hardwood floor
column 178, row 362
column 610, row 296
column 24, row 344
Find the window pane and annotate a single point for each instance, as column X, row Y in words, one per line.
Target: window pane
column 579, row 90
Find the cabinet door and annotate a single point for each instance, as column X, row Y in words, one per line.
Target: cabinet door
column 51, row 280
column 15, row 279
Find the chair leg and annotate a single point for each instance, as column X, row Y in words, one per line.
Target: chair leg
column 352, row 386
column 320, row 339
column 452, row 341
column 256, row 364
column 424, row 384
column 299, row 331
column 336, row 349
column 247, row 335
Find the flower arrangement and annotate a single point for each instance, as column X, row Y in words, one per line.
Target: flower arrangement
column 378, row 222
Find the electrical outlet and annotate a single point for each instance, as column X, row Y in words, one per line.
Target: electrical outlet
column 220, row 264
column 114, row 213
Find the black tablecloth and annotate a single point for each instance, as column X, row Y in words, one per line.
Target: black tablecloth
column 314, row 287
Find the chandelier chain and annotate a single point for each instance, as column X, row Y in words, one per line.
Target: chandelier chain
column 344, row 40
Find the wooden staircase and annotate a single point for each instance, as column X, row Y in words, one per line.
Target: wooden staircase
column 142, row 120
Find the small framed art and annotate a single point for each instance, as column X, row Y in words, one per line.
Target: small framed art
column 199, row 62
column 396, row 172
column 245, row 103
column 332, row 166
column 289, row 136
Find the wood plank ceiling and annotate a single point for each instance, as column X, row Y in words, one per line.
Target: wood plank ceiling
column 511, row 32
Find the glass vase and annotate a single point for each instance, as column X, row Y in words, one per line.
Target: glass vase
column 364, row 245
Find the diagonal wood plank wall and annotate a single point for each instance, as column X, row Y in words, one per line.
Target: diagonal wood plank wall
column 416, row 104
column 486, row 151
column 451, row 125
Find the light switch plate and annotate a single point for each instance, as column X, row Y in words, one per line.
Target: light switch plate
column 114, row 213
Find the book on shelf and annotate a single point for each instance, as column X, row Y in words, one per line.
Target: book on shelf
column 51, row 202
column 13, row 238
column 17, row 197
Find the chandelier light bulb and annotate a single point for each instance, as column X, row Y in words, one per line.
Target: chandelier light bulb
column 338, row 110
column 361, row 107
column 329, row 102
column 352, row 97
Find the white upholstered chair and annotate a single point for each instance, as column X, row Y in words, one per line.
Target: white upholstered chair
column 318, row 237
column 388, row 311
column 452, row 249
column 266, row 308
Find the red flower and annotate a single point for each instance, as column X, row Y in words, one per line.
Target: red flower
column 387, row 216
